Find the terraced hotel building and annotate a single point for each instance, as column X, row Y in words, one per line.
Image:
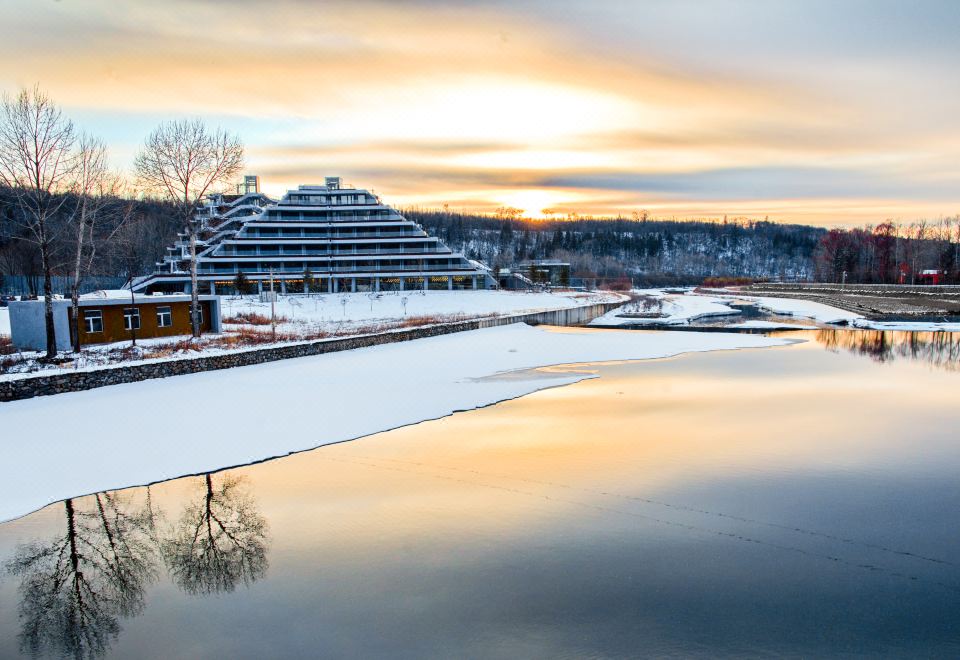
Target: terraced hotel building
column 323, row 239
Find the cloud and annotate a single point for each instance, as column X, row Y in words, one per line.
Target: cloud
column 777, row 107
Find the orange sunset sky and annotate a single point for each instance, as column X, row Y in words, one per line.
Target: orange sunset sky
column 831, row 113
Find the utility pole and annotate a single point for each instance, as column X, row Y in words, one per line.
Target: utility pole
column 273, row 310
column 133, row 307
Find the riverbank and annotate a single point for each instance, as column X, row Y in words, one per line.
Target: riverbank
column 251, row 325
column 875, row 302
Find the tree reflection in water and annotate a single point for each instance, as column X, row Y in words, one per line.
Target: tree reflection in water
column 76, row 587
column 939, row 349
column 219, row 542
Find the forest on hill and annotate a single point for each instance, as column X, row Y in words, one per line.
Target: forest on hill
column 647, row 250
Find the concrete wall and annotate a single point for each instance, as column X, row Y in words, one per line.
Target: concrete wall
column 28, row 329
column 38, row 385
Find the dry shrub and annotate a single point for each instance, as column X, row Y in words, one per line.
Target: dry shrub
column 173, row 348
column 6, row 346
column 252, row 318
column 623, row 283
column 720, row 282
column 252, row 337
column 8, row 362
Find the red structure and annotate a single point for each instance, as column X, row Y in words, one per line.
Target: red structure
column 931, row 277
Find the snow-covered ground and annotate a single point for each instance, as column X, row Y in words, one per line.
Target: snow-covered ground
column 5, row 321
column 675, row 309
column 313, row 317
column 71, row 444
column 344, row 311
column 908, row 326
column 681, row 309
column 826, row 314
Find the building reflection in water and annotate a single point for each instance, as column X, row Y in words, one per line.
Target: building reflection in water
column 938, row 349
column 76, row 587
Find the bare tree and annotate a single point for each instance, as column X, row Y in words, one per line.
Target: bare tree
column 37, row 164
column 94, row 187
column 182, row 161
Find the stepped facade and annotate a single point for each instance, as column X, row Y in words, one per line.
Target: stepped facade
column 316, row 239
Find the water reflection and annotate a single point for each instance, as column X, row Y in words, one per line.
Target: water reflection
column 76, row 587
column 938, row 349
column 705, row 506
column 220, row 540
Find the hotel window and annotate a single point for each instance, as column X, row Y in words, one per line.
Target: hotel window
column 92, row 321
column 164, row 317
column 131, row 318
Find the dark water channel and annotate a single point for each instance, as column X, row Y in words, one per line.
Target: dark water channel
column 798, row 501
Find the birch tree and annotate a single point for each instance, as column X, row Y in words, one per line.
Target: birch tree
column 94, row 187
column 183, row 161
column 37, row 163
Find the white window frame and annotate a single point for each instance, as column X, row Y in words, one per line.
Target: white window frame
column 89, row 316
column 129, row 314
column 164, row 314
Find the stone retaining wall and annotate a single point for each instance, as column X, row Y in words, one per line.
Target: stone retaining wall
column 902, row 289
column 38, row 385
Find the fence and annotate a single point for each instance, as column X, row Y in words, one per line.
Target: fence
column 26, row 285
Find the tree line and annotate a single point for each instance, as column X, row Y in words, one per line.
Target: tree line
column 648, row 251
column 890, row 253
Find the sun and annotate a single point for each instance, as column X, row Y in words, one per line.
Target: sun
column 533, row 203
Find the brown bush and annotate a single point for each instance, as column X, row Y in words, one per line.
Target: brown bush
column 6, row 346
column 252, row 318
column 720, row 282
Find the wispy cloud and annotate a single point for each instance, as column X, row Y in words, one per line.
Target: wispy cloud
column 821, row 111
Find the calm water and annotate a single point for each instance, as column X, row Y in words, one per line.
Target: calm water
column 793, row 501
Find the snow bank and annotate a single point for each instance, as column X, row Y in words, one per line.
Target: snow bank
column 5, row 321
column 805, row 308
column 771, row 325
column 71, row 444
column 907, row 326
column 678, row 309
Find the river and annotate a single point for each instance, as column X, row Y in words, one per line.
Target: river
column 797, row 501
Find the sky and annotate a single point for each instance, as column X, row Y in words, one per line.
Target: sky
column 835, row 112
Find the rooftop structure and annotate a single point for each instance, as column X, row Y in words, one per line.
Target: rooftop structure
column 317, row 238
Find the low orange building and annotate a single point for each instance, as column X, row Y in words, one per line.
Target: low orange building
column 109, row 318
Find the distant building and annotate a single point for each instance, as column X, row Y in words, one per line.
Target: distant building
column 547, row 272
column 513, row 280
column 110, row 318
column 317, row 239
column 931, row 277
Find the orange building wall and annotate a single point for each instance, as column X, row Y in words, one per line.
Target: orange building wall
column 114, row 331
